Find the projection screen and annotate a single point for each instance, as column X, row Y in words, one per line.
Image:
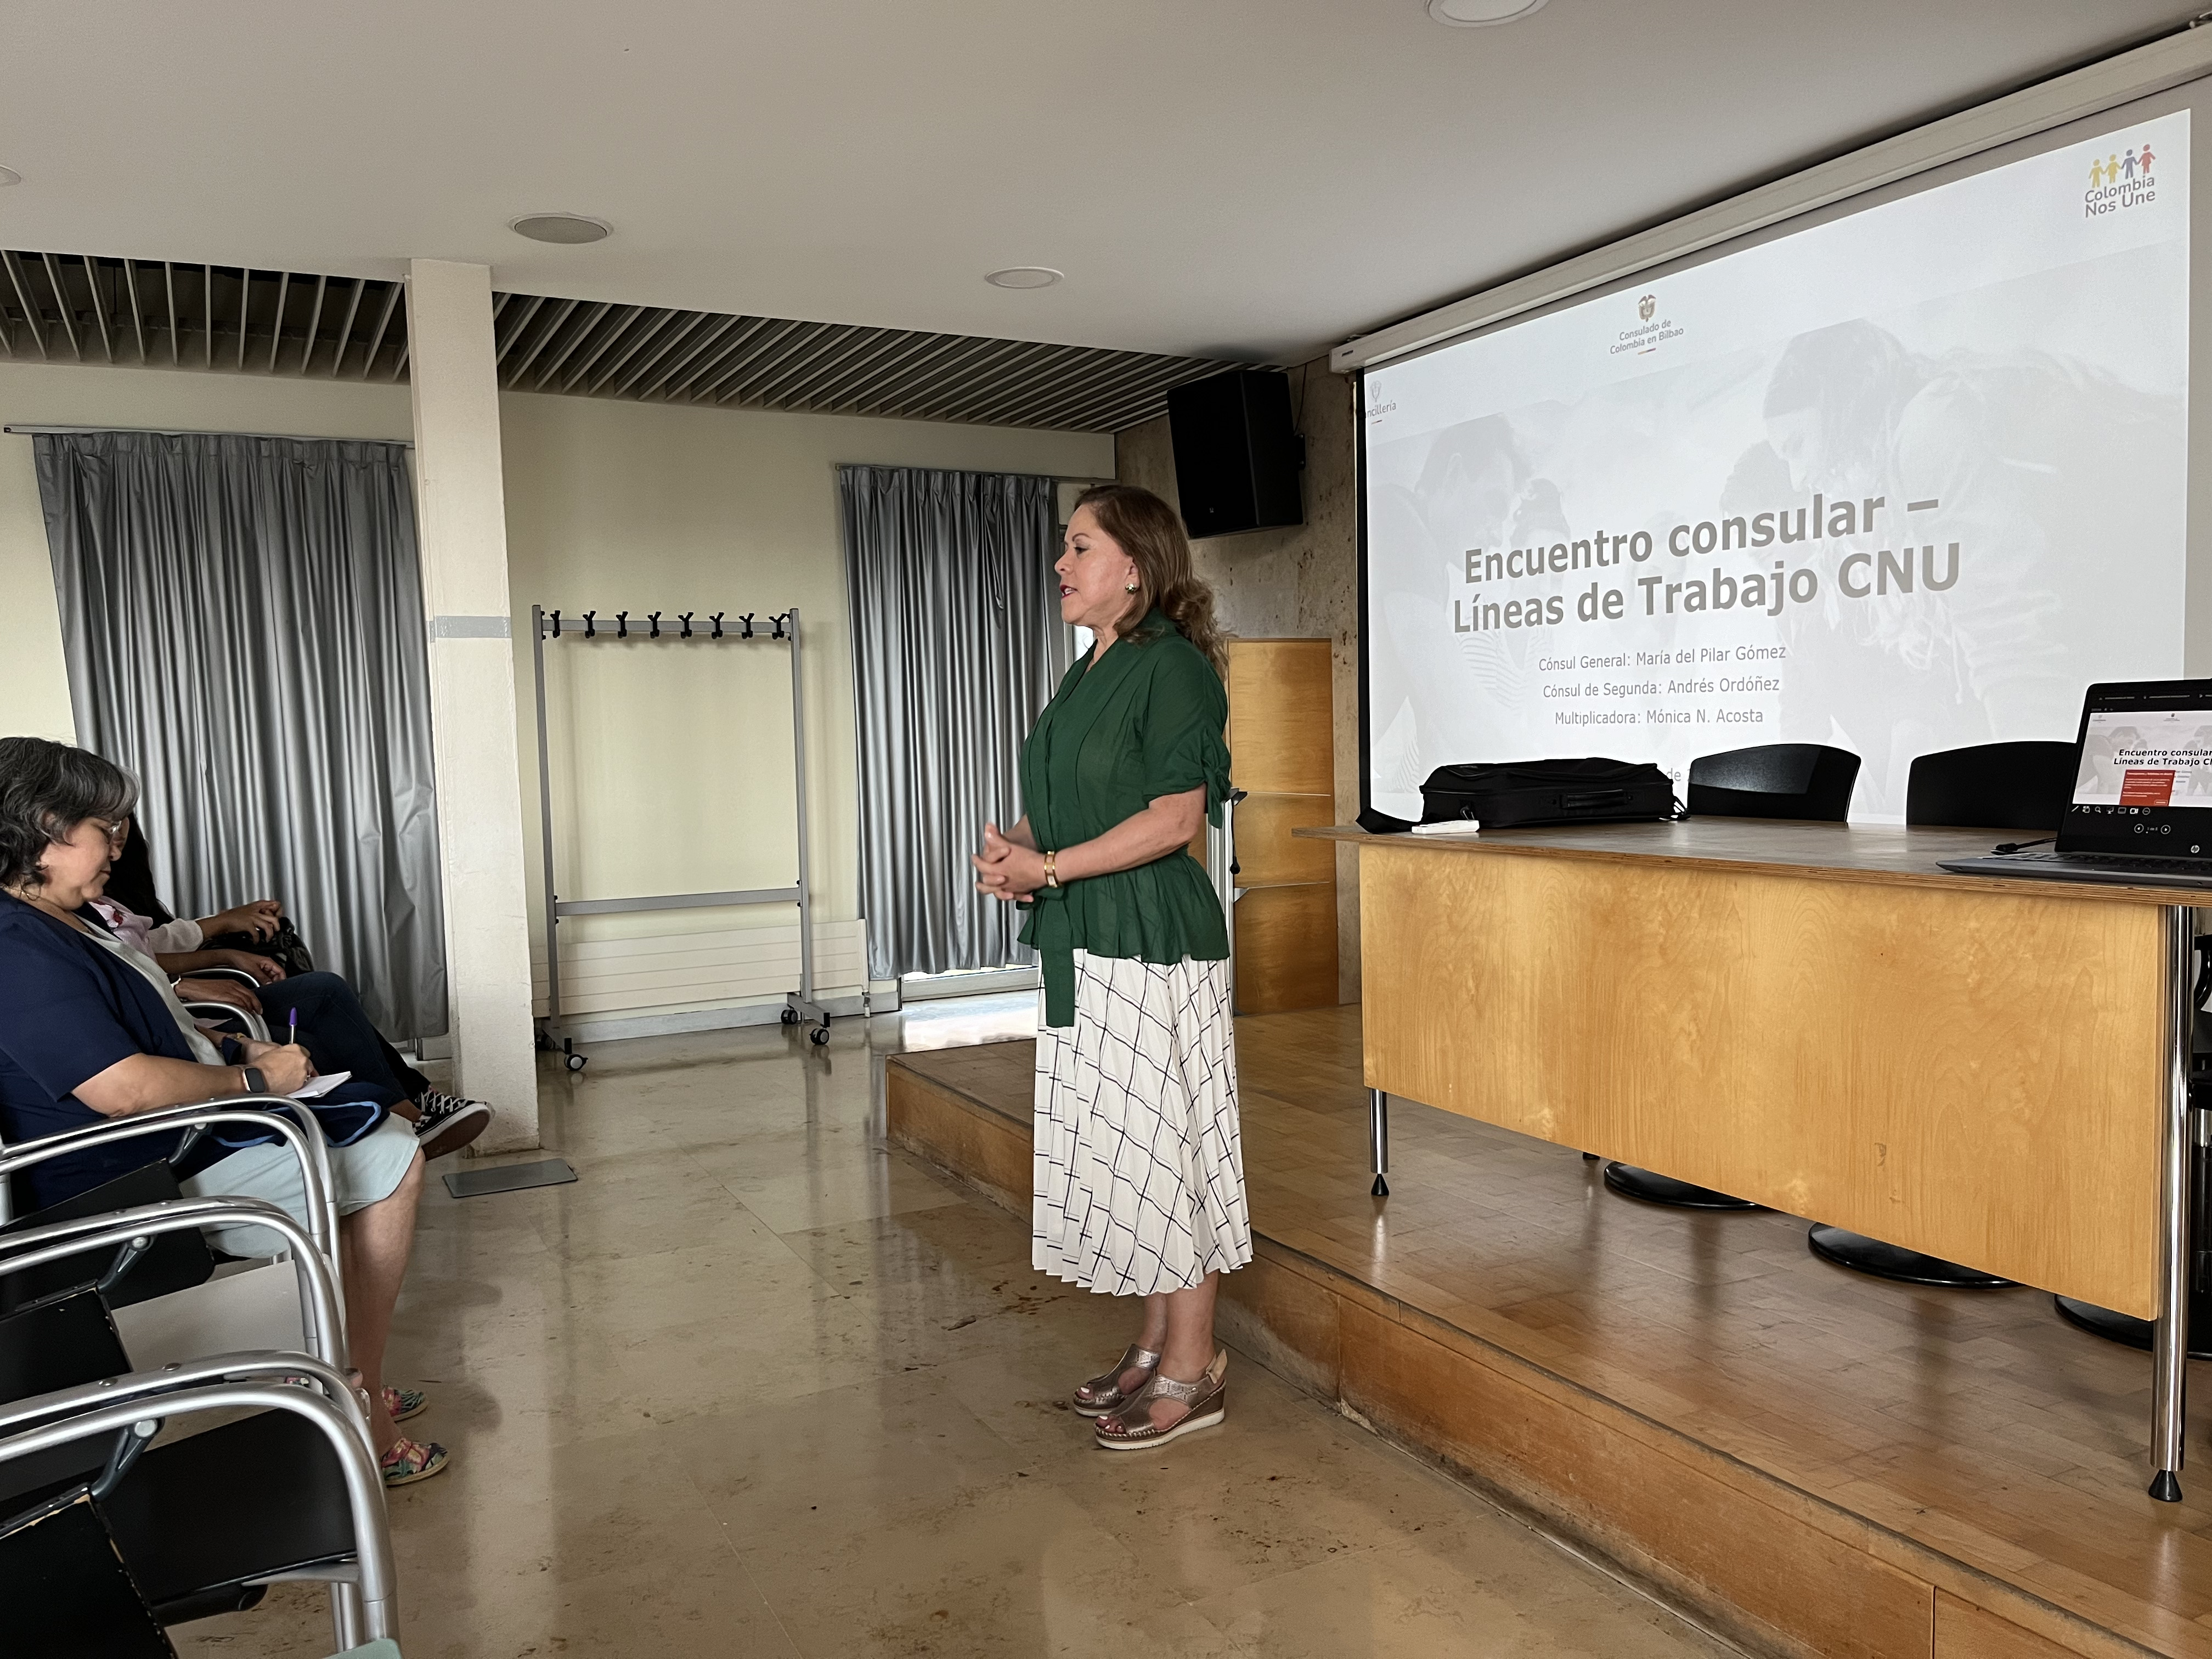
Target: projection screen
column 1900, row 476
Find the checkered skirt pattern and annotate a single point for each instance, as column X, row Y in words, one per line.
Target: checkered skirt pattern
column 1138, row 1170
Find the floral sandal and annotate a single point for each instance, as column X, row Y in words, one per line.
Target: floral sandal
column 410, row 1461
column 400, row 1404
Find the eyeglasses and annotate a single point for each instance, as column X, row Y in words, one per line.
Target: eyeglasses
column 116, row 830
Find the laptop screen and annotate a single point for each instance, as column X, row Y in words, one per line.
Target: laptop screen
column 2145, row 782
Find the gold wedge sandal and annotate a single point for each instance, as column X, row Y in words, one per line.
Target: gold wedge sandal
column 1130, row 1428
column 1102, row 1393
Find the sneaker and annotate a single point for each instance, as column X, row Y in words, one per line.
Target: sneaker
column 448, row 1122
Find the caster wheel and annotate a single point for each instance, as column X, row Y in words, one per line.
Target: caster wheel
column 818, row 1036
column 791, row 1016
column 576, row 1063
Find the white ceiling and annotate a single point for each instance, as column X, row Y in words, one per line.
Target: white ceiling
column 1252, row 179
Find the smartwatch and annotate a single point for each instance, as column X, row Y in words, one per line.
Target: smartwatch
column 255, row 1083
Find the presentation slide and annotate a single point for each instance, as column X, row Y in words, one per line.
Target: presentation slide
column 2146, row 759
column 1902, row 481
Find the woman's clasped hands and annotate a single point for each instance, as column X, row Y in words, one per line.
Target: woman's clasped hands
column 1004, row 868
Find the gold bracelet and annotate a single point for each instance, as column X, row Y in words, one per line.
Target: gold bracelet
column 1051, row 870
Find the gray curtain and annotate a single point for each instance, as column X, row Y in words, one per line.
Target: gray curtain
column 958, row 645
column 242, row 619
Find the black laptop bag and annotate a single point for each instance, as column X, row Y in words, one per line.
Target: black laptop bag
column 1512, row 793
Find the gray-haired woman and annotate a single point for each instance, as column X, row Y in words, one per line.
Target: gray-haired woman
column 90, row 1029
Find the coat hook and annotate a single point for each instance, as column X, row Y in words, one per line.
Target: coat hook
column 621, row 624
column 686, row 620
column 591, row 625
column 655, row 620
column 778, row 620
column 718, row 624
column 747, row 619
column 556, row 624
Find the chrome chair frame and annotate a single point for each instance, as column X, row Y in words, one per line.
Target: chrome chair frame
column 312, row 1151
column 364, row 1601
column 318, row 1291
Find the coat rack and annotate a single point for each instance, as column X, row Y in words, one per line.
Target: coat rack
column 689, row 627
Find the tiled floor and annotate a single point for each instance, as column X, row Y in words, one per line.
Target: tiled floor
column 758, row 1385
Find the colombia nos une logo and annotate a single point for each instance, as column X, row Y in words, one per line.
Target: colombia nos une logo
column 2119, row 180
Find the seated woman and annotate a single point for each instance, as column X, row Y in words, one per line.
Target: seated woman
column 333, row 1028
column 88, row 1033
column 180, row 943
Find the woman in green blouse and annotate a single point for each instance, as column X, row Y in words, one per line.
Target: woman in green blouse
column 1138, row 1173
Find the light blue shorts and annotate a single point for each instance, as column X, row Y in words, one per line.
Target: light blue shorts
column 365, row 1173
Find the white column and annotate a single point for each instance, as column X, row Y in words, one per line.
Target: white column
column 463, row 512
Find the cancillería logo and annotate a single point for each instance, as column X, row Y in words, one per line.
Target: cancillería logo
column 2120, row 180
column 1651, row 330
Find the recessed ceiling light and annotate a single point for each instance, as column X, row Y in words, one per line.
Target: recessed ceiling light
column 1025, row 276
column 10, row 176
column 559, row 228
column 1481, row 14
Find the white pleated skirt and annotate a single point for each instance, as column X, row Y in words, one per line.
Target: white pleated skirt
column 1139, row 1169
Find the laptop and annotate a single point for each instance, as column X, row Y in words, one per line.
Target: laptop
column 2141, row 811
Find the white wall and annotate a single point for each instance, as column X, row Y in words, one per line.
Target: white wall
column 672, row 765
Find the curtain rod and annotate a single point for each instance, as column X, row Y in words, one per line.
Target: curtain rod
column 186, row 431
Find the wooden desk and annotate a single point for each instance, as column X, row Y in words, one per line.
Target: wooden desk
column 1816, row 1018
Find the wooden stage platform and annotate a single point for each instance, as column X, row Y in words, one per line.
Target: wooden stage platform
column 1813, row 1461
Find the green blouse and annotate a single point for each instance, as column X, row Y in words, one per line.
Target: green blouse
column 1144, row 720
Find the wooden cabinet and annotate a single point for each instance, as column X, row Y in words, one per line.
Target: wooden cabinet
column 1283, row 755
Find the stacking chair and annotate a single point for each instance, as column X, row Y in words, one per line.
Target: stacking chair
column 180, row 1302
column 1991, row 785
column 1806, row 781
column 204, row 1524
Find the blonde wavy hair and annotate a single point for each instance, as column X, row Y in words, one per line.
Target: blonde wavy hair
column 1151, row 533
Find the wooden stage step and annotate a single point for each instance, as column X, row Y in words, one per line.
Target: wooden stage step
column 1812, row 1461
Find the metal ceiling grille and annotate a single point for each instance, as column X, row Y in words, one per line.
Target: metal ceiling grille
column 75, row 308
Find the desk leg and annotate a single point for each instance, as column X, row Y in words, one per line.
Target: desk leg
column 2170, row 1337
column 1378, row 1139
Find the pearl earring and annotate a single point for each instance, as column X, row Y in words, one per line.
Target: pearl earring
column 1130, row 586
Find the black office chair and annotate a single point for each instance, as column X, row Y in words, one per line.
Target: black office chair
column 1990, row 786
column 1808, row 781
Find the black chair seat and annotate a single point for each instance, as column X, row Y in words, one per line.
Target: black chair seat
column 70, row 1595
column 194, row 1520
column 175, row 1262
column 1862, row 1255
column 260, row 1496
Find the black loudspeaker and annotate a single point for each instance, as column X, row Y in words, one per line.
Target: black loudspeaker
column 1237, row 454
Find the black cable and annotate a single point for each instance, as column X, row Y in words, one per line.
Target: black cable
column 2022, row 846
